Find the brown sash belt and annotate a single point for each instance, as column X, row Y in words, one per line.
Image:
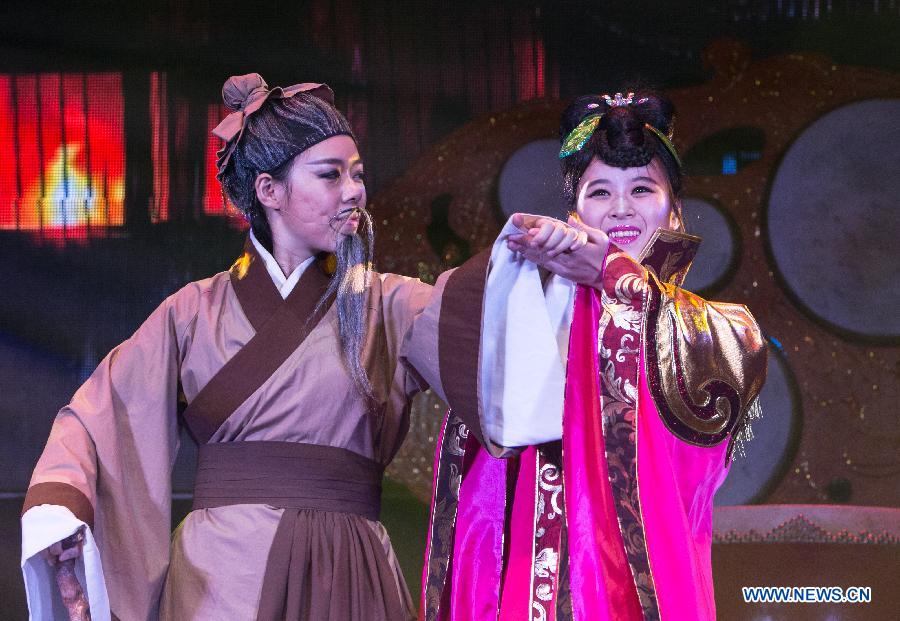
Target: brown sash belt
column 288, row 475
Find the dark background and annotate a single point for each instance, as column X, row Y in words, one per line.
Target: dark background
column 407, row 74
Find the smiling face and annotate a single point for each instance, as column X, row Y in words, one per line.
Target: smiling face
column 628, row 204
column 316, row 201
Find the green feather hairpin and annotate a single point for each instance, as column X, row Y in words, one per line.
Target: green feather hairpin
column 579, row 136
column 666, row 142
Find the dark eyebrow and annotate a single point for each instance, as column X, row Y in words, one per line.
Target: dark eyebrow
column 598, row 181
column 335, row 161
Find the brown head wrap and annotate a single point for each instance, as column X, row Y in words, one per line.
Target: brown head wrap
column 245, row 94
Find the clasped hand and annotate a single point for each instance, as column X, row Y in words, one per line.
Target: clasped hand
column 570, row 249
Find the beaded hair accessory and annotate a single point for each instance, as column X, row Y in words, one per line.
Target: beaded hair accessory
column 617, row 100
column 582, row 132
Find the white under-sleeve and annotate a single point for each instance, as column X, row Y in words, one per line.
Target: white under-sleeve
column 524, row 344
column 42, row 526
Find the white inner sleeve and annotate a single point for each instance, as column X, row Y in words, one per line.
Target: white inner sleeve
column 524, row 344
column 42, row 526
column 284, row 284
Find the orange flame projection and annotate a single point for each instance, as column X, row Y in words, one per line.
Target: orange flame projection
column 63, row 137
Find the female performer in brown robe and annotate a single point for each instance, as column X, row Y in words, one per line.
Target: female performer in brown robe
column 295, row 377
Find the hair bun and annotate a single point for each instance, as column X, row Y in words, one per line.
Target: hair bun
column 622, row 124
column 240, row 90
column 654, row 109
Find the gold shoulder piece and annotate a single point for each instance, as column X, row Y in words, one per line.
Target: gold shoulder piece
column 706, row 363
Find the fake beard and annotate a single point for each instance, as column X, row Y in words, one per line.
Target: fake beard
column 354, row 254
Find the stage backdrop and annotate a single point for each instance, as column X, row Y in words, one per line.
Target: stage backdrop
column 108, row 202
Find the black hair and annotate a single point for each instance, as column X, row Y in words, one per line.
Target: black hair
column 622, row 138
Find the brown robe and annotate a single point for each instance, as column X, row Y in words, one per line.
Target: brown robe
column 111, row 450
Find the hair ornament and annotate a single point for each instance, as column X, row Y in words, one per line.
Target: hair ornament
column 617, row 100
column 245, row 94
column 666, row 142
column 579, row 136
column 582, row 132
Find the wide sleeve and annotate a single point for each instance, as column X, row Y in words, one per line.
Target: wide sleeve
column 444, row 344
column 524, row 343
column 705, row 361
column 706, row 365
column 492, row 342
column 107, row 465
column 402, row 302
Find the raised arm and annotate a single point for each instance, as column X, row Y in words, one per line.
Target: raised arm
column 569, row 249
column 491, row 341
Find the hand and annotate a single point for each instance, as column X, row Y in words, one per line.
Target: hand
column 548, row 236
column 570, row 249
column 67, row 549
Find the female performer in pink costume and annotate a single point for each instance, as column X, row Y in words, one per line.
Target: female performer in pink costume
column 578, row 483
